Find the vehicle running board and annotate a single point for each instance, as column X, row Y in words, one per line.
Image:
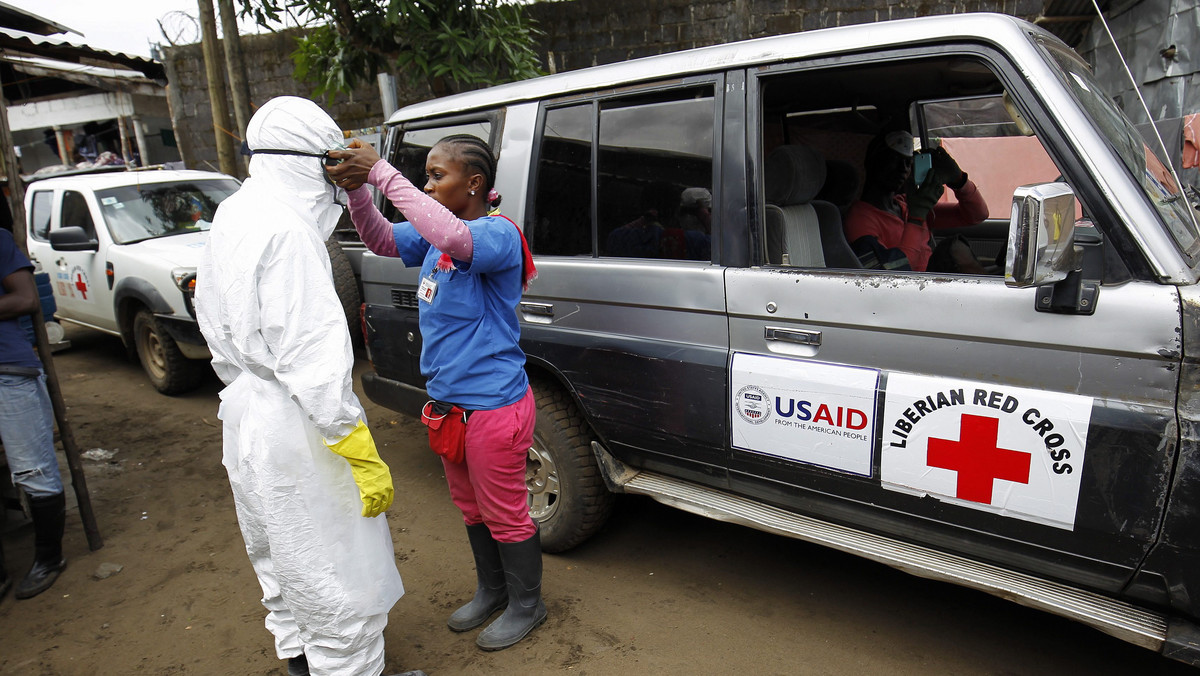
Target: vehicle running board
column 1117, row 618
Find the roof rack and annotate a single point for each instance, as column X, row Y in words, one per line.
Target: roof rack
column 107, row 169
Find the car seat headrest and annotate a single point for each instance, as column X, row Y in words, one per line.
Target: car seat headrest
column 841, row 183
column 794, row 175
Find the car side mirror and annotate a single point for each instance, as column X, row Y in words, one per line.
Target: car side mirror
column 1049, row 250
column 72, row 238
column 1041, row 233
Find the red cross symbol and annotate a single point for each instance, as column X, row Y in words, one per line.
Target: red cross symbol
column 977, row 459
column 81, row 285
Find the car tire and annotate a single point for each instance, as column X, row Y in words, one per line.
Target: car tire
column 567, row 494
column 346, row 286
column 168, row 369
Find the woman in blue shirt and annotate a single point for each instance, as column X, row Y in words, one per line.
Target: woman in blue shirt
column 474, row 267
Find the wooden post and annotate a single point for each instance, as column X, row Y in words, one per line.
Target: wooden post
column 126, row 153
column 16, row 192
column 216, row 89
column 64, row 153
column 135, row 121
column 235, row 65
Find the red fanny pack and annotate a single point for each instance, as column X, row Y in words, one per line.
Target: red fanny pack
column 447, row 425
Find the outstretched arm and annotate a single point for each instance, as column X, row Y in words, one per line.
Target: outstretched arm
column 375, row 230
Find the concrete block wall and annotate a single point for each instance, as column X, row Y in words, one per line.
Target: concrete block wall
column 577, row 34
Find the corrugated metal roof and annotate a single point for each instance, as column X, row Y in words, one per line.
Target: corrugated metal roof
column 62, row 50
column 107, row 79
column 22, row 20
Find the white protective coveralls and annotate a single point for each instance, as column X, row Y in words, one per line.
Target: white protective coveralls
column 266, row 304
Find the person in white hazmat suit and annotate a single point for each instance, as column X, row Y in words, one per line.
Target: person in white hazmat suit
column 308, row 483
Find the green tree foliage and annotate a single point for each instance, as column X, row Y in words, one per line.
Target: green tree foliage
column 452, row 45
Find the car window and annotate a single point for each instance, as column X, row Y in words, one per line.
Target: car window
column 651, row 187
column 656, row 152
column 75, row 213
column 841, row 150
column 39, row 214
column 1151, row 171
column 135, row 213
column 413, row 148
column 562, row 224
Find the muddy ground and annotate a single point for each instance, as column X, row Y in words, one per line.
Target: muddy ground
column 657, row 592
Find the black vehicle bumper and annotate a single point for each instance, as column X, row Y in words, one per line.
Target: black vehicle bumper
column 182, row 330
column 187, row 336
column 394, row 394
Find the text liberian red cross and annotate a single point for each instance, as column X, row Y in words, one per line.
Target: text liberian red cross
column 977, row 459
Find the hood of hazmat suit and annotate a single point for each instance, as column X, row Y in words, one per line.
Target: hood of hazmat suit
column 266, row 304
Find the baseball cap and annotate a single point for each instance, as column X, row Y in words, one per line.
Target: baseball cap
column 696, row 197
column 899, row 141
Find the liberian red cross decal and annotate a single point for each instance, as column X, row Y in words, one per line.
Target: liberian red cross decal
column 977, row 459
column 79, row 284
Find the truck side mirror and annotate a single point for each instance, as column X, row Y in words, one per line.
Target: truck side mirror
column 72, row 238
column 1040, row 235
column 1047, row 249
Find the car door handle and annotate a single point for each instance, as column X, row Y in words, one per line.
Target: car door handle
column 539, row 309
column 798, row 336
column 62, row 262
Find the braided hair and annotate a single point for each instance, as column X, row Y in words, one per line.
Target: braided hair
column 475, row 153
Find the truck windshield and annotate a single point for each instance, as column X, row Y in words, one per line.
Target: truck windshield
column 139, row 212
column 1152, row 173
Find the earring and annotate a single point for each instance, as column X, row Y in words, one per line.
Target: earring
column 472, row 193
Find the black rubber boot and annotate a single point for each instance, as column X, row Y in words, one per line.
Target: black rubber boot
column 5, row 580
column 526, row 610
column 491, row 593
column 298, row 665
column 49, row 517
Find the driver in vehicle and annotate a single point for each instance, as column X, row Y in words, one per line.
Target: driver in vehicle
column 889, row 228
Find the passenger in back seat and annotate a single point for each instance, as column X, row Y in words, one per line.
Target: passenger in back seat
column 892, row 231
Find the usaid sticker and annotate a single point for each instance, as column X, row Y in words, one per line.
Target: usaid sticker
column 812, row 412
column 751, row 404
column 1007, row 450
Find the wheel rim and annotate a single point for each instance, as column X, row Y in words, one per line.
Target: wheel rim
column 541, row 480
column 153, row 356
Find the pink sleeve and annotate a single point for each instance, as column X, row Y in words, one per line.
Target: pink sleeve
column 970, row 209
column 445, row 231
column 372, row 227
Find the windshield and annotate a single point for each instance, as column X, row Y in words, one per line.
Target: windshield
column 1153, row 175
column 137, row 212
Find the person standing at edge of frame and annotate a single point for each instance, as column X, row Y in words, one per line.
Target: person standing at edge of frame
column 27, row 424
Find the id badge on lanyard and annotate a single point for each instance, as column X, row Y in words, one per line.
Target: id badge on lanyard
column 428, row 289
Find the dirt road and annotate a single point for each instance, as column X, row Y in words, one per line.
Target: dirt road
column 657, row 592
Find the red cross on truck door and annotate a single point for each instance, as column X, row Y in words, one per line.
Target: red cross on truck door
column 977, row 459
column 1012, row 451
column 79, row 282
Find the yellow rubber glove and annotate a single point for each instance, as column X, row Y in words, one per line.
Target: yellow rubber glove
column 372, row 475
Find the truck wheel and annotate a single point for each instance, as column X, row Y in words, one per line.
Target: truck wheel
column 567, row 495
column 169, row 370
column 347, row 289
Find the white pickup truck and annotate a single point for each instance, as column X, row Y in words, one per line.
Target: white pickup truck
column 121, row 249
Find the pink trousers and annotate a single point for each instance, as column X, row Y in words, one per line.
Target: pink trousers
column 489, row 484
